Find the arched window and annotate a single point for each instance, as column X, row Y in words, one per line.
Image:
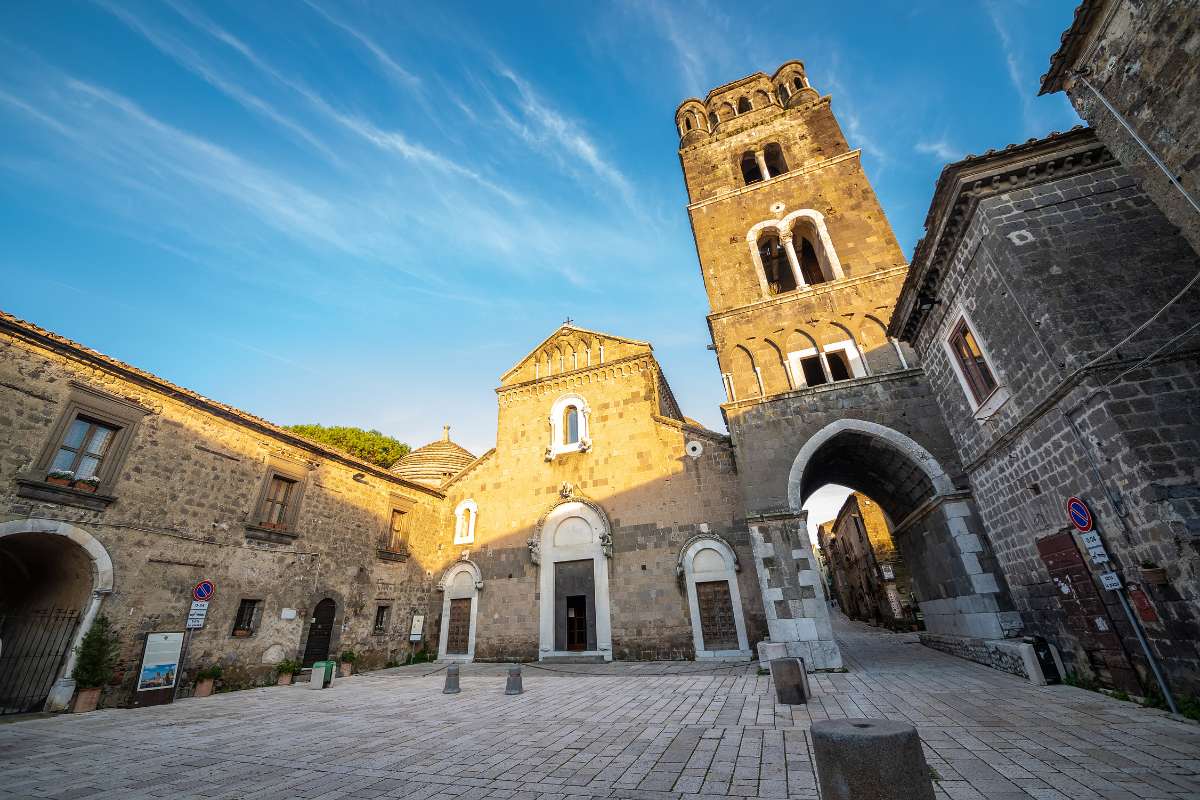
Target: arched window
column 750, row 171
column 810, row 266
column 568, row 426
column 798, row 83
column 465, row 514
column 687, row 122
column 776, row 267
column 571, row 425
column 784, row 92
column 712, row 119
column 744, row 105
column 773, row 155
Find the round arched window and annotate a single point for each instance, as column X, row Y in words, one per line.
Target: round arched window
column 571, row 425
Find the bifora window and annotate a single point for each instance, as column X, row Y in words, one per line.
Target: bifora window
column 243, row 623
column 83, row 448
column 275, row 503
column 976, row 372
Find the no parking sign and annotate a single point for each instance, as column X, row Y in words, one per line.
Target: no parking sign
column 204, row 590
column 1079, row 514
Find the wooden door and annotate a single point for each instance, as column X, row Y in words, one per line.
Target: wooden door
column 458, row 631
column 1086, row 615
column 577, row 622
column 717, row 628
column 320, row 630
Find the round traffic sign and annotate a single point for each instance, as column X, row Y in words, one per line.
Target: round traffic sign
column 1079, row 514
column 204, row 590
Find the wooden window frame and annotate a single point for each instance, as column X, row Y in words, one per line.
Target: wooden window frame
column 387, row 549
column 251, row 626
column 286, row 531
column 118, row 413
column 974, row 378
column 981, row 407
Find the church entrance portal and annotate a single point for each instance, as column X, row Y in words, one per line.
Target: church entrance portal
column 573, row 582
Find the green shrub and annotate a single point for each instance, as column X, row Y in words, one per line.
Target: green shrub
column 213, row 672
column 349, row 656
column 97, row 655
column 288, row 667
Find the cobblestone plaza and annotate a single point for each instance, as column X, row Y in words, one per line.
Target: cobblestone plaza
column 642, row 730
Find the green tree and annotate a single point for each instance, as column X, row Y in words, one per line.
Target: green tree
column 97, row 655
column 370, row 446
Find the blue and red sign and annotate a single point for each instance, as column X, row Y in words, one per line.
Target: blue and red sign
column 204, row 590
column 1080, row 514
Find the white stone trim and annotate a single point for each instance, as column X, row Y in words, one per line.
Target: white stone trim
column 729, row 573
column 550, row 554
column 850, row 348
column 465, row 534
column 557, row 447
column 102, row 584
column 451, row 592
column 831, row 265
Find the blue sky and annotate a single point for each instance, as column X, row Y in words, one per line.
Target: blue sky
column 364, row 212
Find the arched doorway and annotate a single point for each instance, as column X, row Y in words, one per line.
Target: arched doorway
column 574, row 545
column 934, row 523
column 709, row 568
column 320, row 631
column 53, row 576
column 460, row 586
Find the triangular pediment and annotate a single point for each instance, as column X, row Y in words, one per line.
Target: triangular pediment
column 570, row 348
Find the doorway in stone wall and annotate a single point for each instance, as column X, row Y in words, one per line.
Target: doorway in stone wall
column 458, row 630
column 577, row 622
column 320, row 632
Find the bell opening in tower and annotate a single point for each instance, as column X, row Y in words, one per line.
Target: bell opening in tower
column 776, row 268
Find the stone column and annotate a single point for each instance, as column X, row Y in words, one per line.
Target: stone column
column 790, row 248
column 762, row 164
column 793, row 592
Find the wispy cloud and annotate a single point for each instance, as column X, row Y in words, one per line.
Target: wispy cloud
column 940, row 149
column 397, row 73
column 1023, row 85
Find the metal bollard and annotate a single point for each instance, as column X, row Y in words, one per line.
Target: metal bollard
column 451, row 680
column 514, row 680
column 870, row 759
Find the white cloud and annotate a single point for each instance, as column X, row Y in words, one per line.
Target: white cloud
column 393, row 70
column 1024, row 86
column 940, row 148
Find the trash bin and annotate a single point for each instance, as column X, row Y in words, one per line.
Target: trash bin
column 322, row 674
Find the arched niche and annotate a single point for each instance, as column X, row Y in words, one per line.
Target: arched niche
column 709, row 567
column 459, row 585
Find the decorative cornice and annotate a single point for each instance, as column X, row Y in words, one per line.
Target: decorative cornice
column 795, row 173
column 1072, row 41
column 960, row 189
column 810, row 291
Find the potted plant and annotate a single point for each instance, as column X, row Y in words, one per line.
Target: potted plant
column 1153, row 574
column 286, row 670
column 205, row 679
column 346, row 667
column 60, row 477
column 86, row 484
column 94, row 664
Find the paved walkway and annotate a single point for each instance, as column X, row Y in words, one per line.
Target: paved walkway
column 677, row 730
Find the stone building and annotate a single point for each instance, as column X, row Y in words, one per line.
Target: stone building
column 1045, row 304
column 311, row 551
column 1131, row 68
column 866, row 570
column 802, row 272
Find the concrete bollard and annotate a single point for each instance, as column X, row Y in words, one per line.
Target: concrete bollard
column 870, row 759
column 513, row 686
column 451, row 680
column 790, row 679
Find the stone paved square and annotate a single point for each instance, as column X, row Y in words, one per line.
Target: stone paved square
column 623, row 730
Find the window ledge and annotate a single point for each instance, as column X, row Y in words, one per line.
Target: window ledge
column 33, row 489
column 273, row 535
column 391, row 555
column 993, row 403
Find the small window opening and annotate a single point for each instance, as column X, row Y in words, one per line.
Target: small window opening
column 276, row 503
column 381, row 618
column 814, row 374
column 776, row 267
column 712, row 119
column 750, row 171
column 396, row 535
column 839, row 365
column 570, row 425
column 799, row 84
column 784, row 92
column 773, row 155
column 687, row 123
column 243, row 623
column 970, row 359
column 744, row 105
column 810, row 265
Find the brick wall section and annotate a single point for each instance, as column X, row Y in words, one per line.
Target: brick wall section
column 186, row 490
column 654, row 494
column 1051, row 277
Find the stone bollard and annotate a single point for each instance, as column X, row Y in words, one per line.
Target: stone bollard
column 513, row 686
column 451, row 680
column 870, row 759
column 790, row 679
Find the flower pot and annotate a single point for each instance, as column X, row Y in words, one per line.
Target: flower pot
column 84, row 486
column 1155, row 576
column 60, row 481
column 284, row 679
column 345, row 669
column 241, row 632
column 86, row 700
column 204, row 687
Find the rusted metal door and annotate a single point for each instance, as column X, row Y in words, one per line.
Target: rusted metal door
column 458, row 631
column 1086, row 615
column 717, row 627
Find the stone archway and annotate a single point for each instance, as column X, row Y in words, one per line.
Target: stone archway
column 935, row 525
column 460, row 585
column 573, row 546
column 46, row 545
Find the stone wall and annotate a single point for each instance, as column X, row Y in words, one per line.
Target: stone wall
column 182, row 500
column 1003, row 655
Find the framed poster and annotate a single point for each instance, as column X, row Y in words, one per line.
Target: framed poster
column 418, row 626
column 160, row 662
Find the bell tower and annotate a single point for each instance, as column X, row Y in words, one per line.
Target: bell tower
column 799, row 261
